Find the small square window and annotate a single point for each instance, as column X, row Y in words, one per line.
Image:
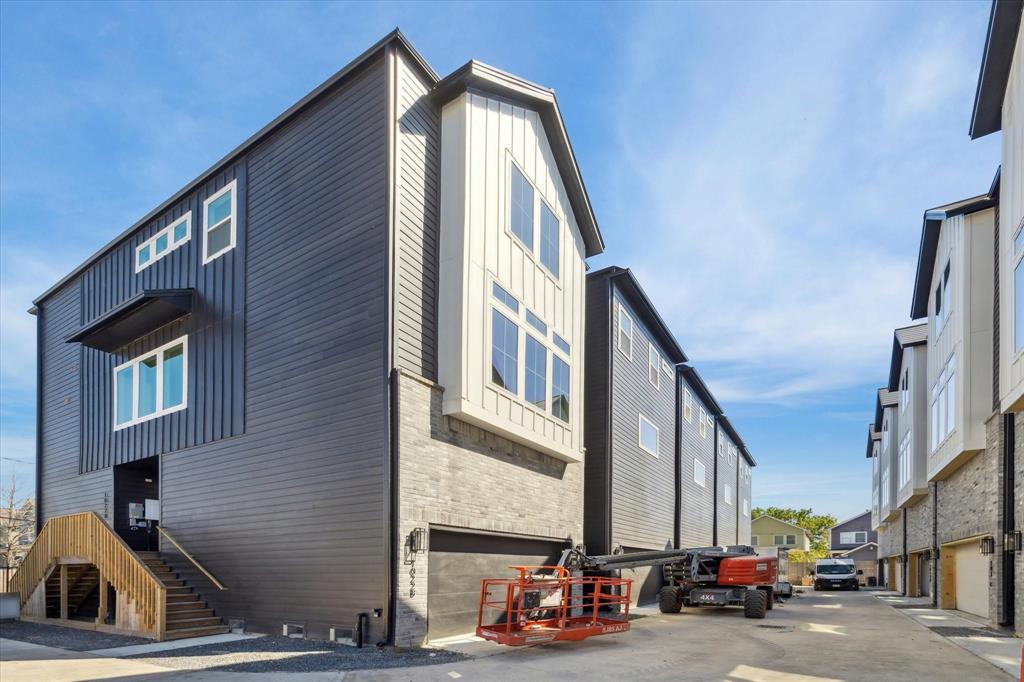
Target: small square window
column 648, row 435
column 161, row 243
column 699, row 473
column 143, row 255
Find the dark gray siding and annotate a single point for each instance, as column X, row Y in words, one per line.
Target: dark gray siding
column 64, row 491
column 596, row 493
column 215, row 329
column 697, row 503
column 642, row 485
column 858, row 523
column 726, row 511
column 418, row 173
column 745, row 486
column 290, row 514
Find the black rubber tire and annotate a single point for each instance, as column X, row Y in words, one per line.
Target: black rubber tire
column 755, row 604
column 670, row 600
column 856, row 588
column 769, row 601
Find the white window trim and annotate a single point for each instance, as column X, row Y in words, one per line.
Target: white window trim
column 1017, row 257
column 687, row 405
column 727, row 493
column 533, row 251
column 746, row 508
column 657, row 435
column 653, row 366
column 171, row 244
column 540, row 236
column 703, row 482
column 160, row 412
column 233, row 188
column 618, row 332
column 666, row 367
column 702, row 426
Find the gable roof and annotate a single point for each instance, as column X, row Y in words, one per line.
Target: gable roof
column 873, row 435
column 866, row 512
column 692, row 377
column 791, row 525
column 904, row 337
column 642, row 306
column 848, row 552
column 930, row 228
column 886, row 398
column 730, row 430
column 474, row 75
column 996, row 61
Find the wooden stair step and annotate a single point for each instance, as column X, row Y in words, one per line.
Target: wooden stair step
column 196, row 632
column 183, row 597
column 179, row 624
column 184, row 614
column 174, row 607
column 172, row 582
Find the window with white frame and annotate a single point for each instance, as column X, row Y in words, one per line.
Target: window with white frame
column 1018, row 288
column 504, row 352
column 624, row 339
column 904, row 460
column 703, row 424
column 754, row 540
column 653, row 366
column 559, row 388
column 665, row 367
column 699, row 473
column 521, row 219
column 220, row 222
column 943, row 304
column 885, row 487
column 687, row 405
column 549, row 231
column 647, row 435
column 858, row 537
column 746, row 509
column 163, row 242
column 709, row 422
column 943, row 407
column 534, row 222
column 727, row 493
column 904, row 390
column 151, row 385
column 536, row 372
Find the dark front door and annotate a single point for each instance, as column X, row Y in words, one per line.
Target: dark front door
column 924, row 576
column 136, row 502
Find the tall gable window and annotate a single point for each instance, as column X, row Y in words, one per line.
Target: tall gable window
column 1018, row 289
column 624, row 339
column 559, row 388
column 219, row 222
column 152, row 385
column 522, row 208
column 549, row 246
column 943, row 408
column 163, row 242
column 504, row 352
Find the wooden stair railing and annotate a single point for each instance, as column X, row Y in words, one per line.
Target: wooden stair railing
column 86, row 538
column 218, row 584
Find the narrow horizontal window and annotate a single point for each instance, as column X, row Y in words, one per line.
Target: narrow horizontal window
column 549, row 246
column 536, row 372
column 561, row 343
column 507, row 299
column 559, row 388
column 219, row 222
column 163, row 242
column 152, row 385
column 522, row 208
column 536, row 323
column 504, row 352
column 648, row 435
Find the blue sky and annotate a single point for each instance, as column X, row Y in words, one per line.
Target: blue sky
column 762, row 167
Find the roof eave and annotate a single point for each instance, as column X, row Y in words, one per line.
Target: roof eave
column 996, row 62
column 640, row 298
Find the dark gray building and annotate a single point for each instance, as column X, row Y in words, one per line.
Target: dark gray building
column 853, row 533
column 630, row 488
column 263, row 357
column 697, row 412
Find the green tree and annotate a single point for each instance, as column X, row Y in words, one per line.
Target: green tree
column 816, row 525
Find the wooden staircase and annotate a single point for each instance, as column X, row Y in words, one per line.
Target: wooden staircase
column 83, row 579
column 187, row 614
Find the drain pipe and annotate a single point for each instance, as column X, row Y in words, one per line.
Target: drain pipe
column 1009, row 521
column 905, row 570
column 936, row 555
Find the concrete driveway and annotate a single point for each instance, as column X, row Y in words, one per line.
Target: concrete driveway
column 816, row 636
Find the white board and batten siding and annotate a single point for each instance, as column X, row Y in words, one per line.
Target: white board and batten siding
column 481, row 138
column 965, row 242
column 1011, row 216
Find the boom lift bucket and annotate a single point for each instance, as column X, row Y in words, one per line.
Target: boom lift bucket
column 547, row 604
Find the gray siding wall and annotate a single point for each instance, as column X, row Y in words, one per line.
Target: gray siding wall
column 642, row 485
column 744, row 484
column 216, row 337
column 697, row 503
column 596, row 495
column 726, row 461
column 291, row 515
column 417, row 180
column 859, row 523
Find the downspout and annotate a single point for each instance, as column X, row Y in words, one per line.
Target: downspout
column 610, row 350
column 39, row 417
column 936, row 554
column 1009, row 520
column 714, row 483
column 677, row 516
column 906, row 559
column 390, row 509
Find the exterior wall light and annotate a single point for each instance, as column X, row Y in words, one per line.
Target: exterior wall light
column 1013, row 541
column 418, row 540
column 988, row 545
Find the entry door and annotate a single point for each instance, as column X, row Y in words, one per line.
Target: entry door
column 971, row 579
column 924, row 576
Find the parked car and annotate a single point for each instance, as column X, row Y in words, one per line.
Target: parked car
column 835, row 574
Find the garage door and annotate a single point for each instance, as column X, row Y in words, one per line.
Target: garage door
column 971, row 579
column 459, row 561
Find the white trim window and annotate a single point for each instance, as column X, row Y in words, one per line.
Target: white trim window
column 559, row 388
column 550, row 231
column 885, row 487
column 533, row 222
column 687, row 405
column 904, row 460
column 727, row 493
column 1018, row 289
column 653, row 366
column 746, row 510
column 220, row 222
column 151, row 385
column 521, row 217
column 754, row 540
column 624, row 337
column 857, row 537
column 943, row 408
column 665, row 367
column 504, row 352
column 700, row 473
column 905, row 390
column 163, row 242
column 647, row 435
column 702, row 425
column 943, row 304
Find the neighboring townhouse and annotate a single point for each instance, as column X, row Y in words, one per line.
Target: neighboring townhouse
column 768, row 531
column 874, row 453
column 890, row 532
column 855, row 539
column 732, row 483
column 999, row 106
column 698, row 410
column 342, row 368
column 745, row 495
column 630, row 423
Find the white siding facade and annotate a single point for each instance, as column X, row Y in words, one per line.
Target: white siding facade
column 482, row 138
column 1011, row 217
column 913, row 426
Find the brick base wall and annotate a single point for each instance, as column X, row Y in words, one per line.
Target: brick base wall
column 920, row 524
column 455, row 474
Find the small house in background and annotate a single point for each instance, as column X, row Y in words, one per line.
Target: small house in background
column 768, row 531
column 855, row 539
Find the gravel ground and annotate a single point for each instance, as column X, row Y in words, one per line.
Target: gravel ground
column 64, row 638
column 283, row 654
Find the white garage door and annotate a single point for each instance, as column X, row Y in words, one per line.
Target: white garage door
column 971, row 579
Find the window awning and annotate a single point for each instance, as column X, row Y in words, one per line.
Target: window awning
column 139, row 315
